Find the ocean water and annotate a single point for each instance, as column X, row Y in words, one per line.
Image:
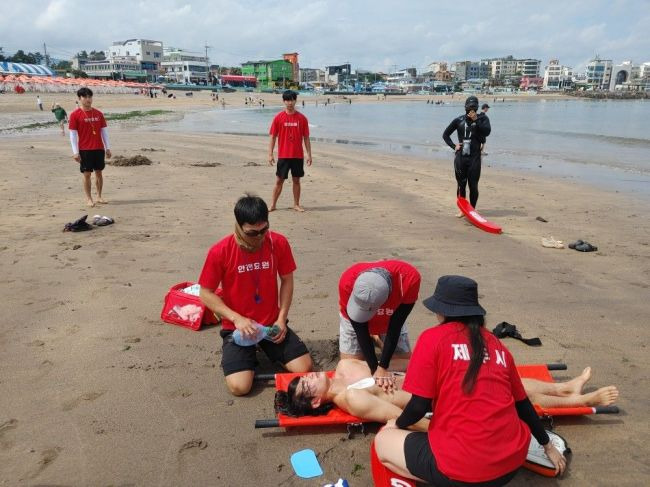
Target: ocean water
column 602, row 143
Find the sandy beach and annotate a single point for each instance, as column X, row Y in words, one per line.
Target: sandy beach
column 96, row 390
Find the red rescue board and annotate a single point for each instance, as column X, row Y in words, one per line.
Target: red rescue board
column 475, row 218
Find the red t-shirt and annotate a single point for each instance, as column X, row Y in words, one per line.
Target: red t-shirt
column 290, row 129
column 405, row 288
column 476, row 437
column 88, row 125
column 242, row 275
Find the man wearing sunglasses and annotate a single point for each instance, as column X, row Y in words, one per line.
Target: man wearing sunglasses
column 246, row 265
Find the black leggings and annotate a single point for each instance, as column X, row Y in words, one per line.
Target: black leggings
column 468, row 172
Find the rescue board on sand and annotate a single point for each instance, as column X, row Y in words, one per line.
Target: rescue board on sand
column 475, row 218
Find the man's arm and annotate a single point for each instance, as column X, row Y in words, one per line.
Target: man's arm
column 392, row 336
column 286, row 296
column 308, row 148
column 106, row 142
column 215, row 304
column 271, row 148
column 74, row 142
column 365, row 343
column 447, row 133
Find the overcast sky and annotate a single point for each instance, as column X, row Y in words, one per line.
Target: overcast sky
column 375, row 35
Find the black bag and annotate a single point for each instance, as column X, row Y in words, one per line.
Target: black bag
column 505, row 329
column 79, row 225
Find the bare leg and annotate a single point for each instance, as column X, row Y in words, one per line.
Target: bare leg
column 89, row 198
column 240, row 383
column 277, row 190
column 300, row 364
column 572, row 387
column 390, row 450
column 296, row 194
column 602, row 397
column 99, row 184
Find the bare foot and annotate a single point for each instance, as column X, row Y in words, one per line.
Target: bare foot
column 574, row 386
column 602, row 397
column 90, row 203
column 102, row 200
column 460, row 214
column 299, row 208
column 272, row 209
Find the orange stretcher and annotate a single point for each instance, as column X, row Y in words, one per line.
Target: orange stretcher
column 338, row 416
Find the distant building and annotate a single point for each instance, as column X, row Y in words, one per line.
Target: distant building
column 509, row 67
column 181, row 66
column 117, row 68
column 627, row 76
column 598, row 74
column 436, row 66
column 338, row 74
column 311, row 75
column 292, row 57
column 276, row 73
column 556, row 76
column 148, row 53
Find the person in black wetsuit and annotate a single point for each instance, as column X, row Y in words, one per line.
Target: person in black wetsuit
column 472, row 129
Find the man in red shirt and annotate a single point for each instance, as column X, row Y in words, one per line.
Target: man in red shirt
column 89, row 140
column 246, row 266
column 291, row 129
column 375, row 298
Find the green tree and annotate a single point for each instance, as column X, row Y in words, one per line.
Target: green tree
column 21, row 57
column 77, row 73
column 82, row 55
column 96, row 55
column 62, row 66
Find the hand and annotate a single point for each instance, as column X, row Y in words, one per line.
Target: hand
column 391, row 424
column 384, row 379
column 556, row 458
column 309, row 160
column 108, row 154
column 245, row 325
column 77, row 158
column 472, row 115
column 282, row 334
column 457, row 147
column 271, row 160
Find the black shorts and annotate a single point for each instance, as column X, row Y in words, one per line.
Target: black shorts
column 91, row 160
column 421, row 463
column 297, row 167
column 235, row 358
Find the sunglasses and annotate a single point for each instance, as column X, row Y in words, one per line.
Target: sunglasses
column 257, row 233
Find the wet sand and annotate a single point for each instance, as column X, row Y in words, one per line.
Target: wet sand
column 96, row 390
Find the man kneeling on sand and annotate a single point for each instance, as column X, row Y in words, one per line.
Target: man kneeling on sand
column 353, row 390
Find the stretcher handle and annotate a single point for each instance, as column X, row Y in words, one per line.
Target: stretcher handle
column 606, row 410
column 267, row 423
column 264, row 377
column 556, row 366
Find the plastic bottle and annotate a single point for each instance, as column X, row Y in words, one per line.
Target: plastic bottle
column 263, row 332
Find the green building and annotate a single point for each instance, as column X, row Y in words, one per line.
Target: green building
column 270, row 74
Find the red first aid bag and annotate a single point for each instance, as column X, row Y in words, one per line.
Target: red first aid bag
column 186, row 309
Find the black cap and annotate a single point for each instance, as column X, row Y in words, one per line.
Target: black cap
column 484, row 106
column 455, row 296
column 471, row 103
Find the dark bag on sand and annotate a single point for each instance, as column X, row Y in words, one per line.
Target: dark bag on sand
column 79, row 225
column 505, row 329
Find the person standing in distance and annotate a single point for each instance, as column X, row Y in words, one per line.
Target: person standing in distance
column 291, row 129
column 375, row 298
column 472, row 129
column 246, row 266
column 90, row 144
column 484, row 108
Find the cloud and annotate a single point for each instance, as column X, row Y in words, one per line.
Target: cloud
column 52, row 15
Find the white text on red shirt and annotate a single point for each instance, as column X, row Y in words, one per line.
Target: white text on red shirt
column 254, row 266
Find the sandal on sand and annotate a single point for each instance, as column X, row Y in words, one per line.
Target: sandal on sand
column 551, row 243
column 586, row 247
column 572, row 245
column 102, row 221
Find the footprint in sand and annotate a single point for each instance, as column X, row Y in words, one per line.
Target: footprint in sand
column 88, row 396
column 47, row 457
column 4, row 428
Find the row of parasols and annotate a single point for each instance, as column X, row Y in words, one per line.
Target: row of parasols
column 46, row 84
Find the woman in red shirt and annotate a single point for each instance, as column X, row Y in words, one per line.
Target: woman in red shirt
column 482, row 420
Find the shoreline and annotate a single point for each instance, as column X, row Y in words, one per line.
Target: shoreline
column 98, row 391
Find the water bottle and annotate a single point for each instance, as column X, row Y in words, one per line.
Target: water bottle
column 263, row 332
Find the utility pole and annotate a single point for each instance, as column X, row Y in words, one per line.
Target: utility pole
column 207, row 63
column 47, row 64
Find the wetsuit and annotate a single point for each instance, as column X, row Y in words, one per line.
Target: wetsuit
column 468, row 168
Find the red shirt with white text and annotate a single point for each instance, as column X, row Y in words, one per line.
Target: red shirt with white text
column 243, row 275
column 476, row 437
column 290, row 130
column 405, row 288
column 89, row 127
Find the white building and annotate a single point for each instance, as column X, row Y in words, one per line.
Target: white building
column 180, row 66
column 598, row 74
column 557, row 76
column 529, row 67
column 146, row 52
column 312, row 75
column 625, row 76
column 436, row 66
